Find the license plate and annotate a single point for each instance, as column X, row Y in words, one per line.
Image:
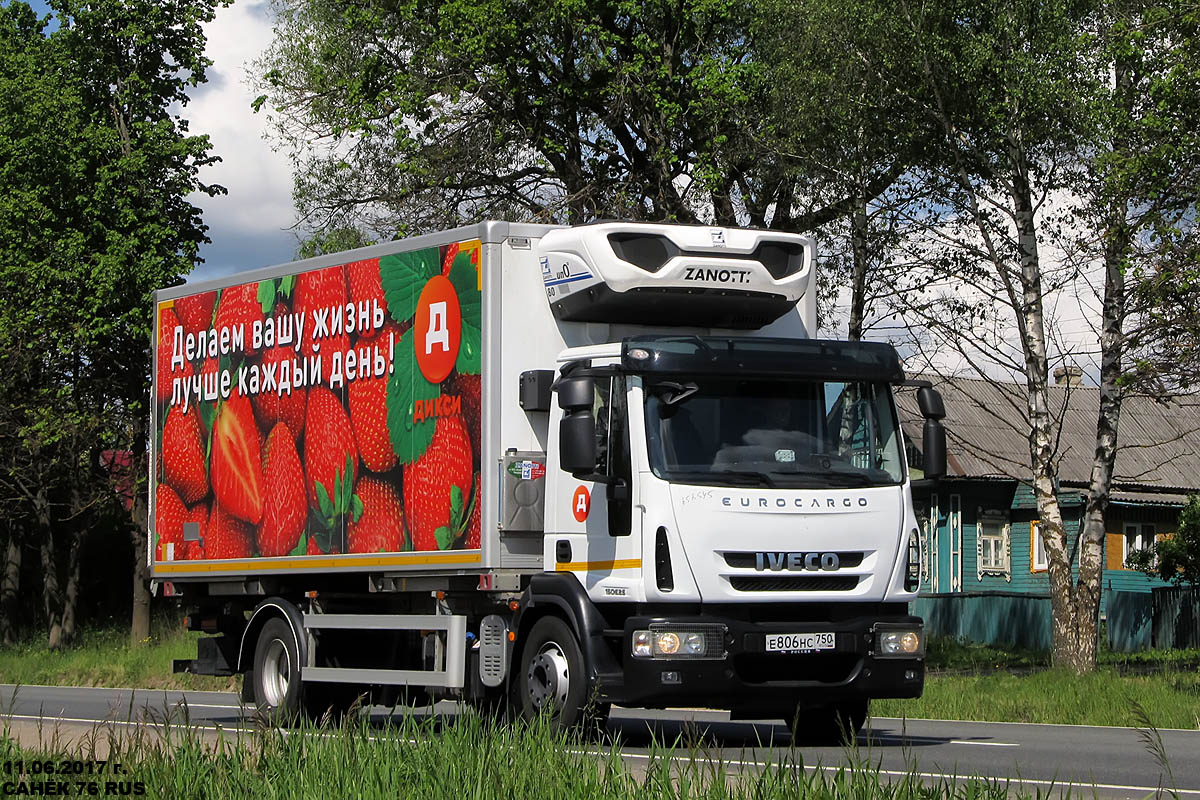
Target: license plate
column 788, row 642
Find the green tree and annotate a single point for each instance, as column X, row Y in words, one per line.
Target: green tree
column 95, row 168
column 1073, row 157
column 1175, row 559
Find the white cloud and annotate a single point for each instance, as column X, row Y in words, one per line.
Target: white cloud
column 250, row 226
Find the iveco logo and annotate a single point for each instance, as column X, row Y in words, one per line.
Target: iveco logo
column 812, row 562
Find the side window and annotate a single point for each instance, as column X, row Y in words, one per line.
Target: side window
column 612, row 441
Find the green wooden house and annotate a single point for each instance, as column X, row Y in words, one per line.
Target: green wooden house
column 985, row 573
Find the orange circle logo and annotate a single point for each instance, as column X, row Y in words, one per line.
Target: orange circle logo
column 581, row 504
column 438, row 326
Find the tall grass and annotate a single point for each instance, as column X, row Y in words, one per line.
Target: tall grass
column 467, row 757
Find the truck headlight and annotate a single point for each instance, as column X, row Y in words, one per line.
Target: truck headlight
column 669, row 641
column 896, row 641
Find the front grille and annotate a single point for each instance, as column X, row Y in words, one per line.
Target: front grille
column 793, row 583
column 786, row 668
column 749, row 560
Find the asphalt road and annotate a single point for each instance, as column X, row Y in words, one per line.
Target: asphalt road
column 1110, row 762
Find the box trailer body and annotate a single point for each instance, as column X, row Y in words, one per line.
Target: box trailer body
column 565, row 466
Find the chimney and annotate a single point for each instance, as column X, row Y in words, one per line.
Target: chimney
column 1068, row 376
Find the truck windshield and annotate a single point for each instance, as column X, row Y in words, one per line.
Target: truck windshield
column 787, row 433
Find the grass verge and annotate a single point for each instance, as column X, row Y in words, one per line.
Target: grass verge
column 103, row 657
column 1171, row 699
column 467, row 758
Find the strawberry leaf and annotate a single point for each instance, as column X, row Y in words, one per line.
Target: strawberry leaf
column 356, row 508
column 301, row 547
column 407, row 388
column 456, row 506
column 466, row 285
column 286, row 285
column 445, row 537
column 324, row 503
column 266, row 296
column 403, row 276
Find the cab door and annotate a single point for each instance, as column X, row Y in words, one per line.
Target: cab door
column 594, row 535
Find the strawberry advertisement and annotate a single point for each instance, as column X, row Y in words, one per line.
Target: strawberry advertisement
column 333, row 411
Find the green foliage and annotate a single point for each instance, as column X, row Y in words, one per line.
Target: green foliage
column 1176, row 558
column 556, row 111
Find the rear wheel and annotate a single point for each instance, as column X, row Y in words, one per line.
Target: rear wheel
column 277, row 688
column 833, row 724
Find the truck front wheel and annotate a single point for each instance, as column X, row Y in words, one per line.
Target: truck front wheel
column 550, row 676
column 276, row 675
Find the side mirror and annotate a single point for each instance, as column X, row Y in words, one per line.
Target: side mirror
column 576, row 394
column 931, row 403
column 933, row 445
column 577, row 442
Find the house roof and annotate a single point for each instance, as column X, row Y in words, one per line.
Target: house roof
column 987, row 436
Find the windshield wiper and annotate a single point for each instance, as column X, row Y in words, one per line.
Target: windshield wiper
column 832, row 480
column 726, row 477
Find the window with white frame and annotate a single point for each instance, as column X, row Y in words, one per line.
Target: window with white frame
column 1138, row 536
column 993, row 545
column 1038, row 560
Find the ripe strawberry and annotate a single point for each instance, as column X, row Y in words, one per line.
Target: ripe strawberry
column 237, row 476
column 195, row 549
column 183, row 454
column 196, row 311
column 380, row 529
column 284, row 510
column 227, row 536
column 167, row 323
column 328, row 444
column 428, row 482
column 366, row 287
column 169, row 515
column 239, row 305
column 314, row 549
column 467, row 387
column 448, row 258
column 270, row 405
column 368, row 414
column 475, row 525
column 321, row 293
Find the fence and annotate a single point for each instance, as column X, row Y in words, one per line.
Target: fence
column 1011, row 619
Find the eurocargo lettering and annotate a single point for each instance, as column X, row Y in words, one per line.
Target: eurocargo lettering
column 541, row 469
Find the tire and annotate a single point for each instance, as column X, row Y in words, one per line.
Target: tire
column 550, row 676
column 834, row 724
column 276, row 677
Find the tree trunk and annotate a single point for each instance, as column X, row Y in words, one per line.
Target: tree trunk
column 1112, row 349
column 10, row 588
column 71, row 594
column 858, row 268
column 1042, row 438
column 51, row 596
column 139, row 624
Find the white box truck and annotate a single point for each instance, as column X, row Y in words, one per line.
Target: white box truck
column 542, row 468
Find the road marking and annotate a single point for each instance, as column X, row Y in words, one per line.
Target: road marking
column 985, row 744
column 904, row 720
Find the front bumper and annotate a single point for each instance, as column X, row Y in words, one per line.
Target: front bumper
column 749, row 678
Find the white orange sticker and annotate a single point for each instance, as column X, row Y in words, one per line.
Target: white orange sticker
column 581, row 504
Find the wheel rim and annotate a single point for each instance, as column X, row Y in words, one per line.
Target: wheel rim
column 549, row 677
column 276, row 673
